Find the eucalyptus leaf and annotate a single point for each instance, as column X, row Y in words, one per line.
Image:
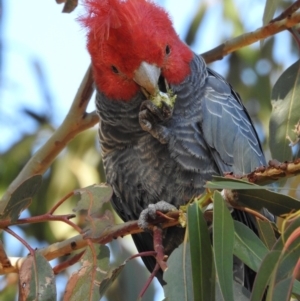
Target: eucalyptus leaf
column 270, row 8
column 248, row 247
column 179, row 276
column 285, row 112
column 266, row 233
column 21, row 198
column 201, row 255
column 256, row 197
column 263, row 275
column 85, row 284
column 36, row 281
column 223, row 236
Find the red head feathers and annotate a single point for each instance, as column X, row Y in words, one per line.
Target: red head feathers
column 123, row 34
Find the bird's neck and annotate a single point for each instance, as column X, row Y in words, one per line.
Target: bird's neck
column 119, row 122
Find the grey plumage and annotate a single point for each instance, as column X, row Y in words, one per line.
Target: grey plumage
column 208, row 134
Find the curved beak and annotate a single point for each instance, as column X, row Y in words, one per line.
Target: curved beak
column 147, row 76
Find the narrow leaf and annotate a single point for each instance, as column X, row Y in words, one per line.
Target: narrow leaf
column 282, row 280
column 223, row 236
column 285, row 112
column 263, row 275
column 266, row 233
column 270, row 8
column 248, row 247
column 276, row 203
column 286, row 234
column 201, row 255
column 179, row 276
column 257, row 197
column 283, row 290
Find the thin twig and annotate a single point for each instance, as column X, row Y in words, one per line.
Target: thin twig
column 67, row 196
column 246, row 39
column 20, row 239
column 65, row 218
column 67, row 263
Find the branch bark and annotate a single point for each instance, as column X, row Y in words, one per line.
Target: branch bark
column 80, row 241
column 76, row 121
column 246, row 39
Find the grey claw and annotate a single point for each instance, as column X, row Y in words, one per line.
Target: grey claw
column 150, row 212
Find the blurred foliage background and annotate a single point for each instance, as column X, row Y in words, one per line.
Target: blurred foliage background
column 252, row 71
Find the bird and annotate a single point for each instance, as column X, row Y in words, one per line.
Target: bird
column 151, row 152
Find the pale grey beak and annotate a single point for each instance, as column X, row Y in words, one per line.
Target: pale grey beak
column 147, row 76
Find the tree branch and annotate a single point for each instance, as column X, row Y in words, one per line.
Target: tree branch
column 80, row 241
column 249, row 38
column 273, row 172
column 76, row 121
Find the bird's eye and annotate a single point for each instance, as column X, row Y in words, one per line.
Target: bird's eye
column 168, row 50
column 114, row 69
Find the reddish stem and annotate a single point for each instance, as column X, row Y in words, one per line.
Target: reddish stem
column 60, row 202
column 159, row 213
column 143, row 254
column 43, row 218
column 159, row 248
column 63, row 265
column 144, row 289
column 19, row 238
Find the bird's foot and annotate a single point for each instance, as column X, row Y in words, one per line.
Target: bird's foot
column 150, row 213
column 151, row 117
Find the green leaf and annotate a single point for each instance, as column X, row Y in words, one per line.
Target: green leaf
column 232, row 184
column 248, row 247
column 263, row 275
column 92, row 201
column 270, row 8
column 93, row 198
column 285, row 112
column 201, row 255
column 179, row 276
column 283, row 290
column 256, row 197
column 276, row 203
column 96, row 226
column 286, row 234
column 282, row 280
column 110, row 278
column 288, row 262
column 223, row 236
column 36, row 279
column 266, row 233
column 21, row 198
column 85, row 284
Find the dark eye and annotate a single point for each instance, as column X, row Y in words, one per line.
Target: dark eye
column 114, row 69
column 168, row 50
